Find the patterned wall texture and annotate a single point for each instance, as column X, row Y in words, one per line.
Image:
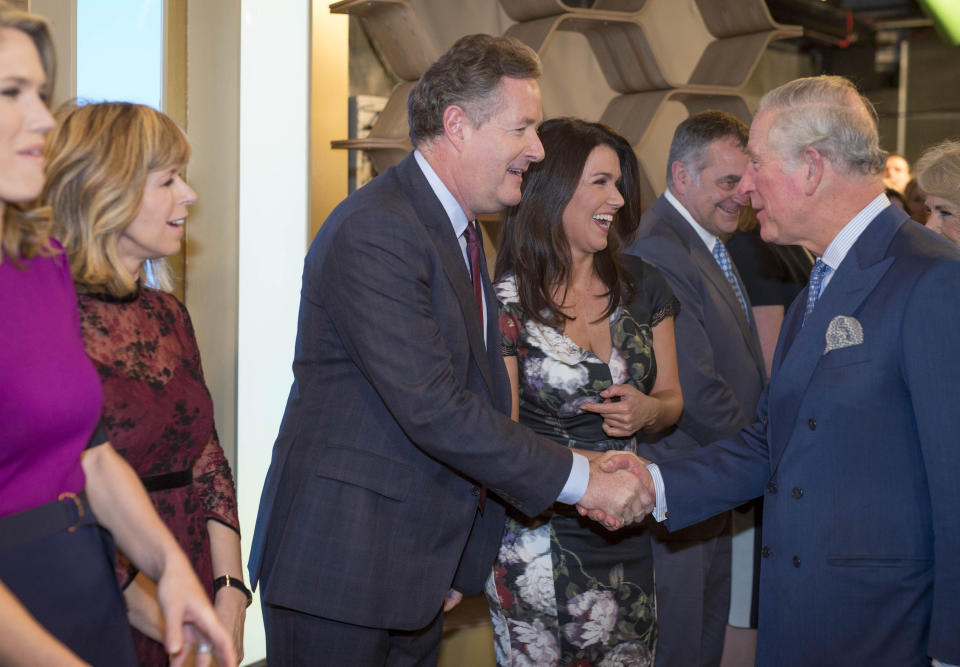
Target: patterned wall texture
column 641, row 66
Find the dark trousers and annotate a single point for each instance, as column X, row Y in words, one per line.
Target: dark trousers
column 297, row 639
column 67, row 583
column 693, row 600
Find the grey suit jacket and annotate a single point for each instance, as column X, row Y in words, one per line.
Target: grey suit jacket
column 398, row 412
column 718, row 352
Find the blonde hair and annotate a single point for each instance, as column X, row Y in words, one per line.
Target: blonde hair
column 25, row 232
column 938, row 171
column 98, row 159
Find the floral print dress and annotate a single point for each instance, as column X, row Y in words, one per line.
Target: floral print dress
column 564, row 591
column 159, row 417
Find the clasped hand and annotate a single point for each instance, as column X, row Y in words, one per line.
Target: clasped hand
column 620, row 491
column 625, row 410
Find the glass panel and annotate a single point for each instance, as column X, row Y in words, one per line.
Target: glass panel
column 120, row 51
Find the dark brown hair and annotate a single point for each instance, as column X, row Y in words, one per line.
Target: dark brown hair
column 533, row 244
column 468, row 75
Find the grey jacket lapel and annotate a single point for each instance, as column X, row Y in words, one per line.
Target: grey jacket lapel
column 707, row 265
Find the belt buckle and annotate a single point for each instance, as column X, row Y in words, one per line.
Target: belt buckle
column 69, row 495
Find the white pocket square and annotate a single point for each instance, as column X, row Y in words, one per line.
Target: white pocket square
column 844, row 331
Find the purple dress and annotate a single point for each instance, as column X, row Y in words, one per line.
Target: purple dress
column 50, row 394
column 50, row 401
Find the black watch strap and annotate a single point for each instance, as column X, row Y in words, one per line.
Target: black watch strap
column 226, row 581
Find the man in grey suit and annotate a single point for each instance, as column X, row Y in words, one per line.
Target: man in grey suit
column 376, row 503
column 720, row 363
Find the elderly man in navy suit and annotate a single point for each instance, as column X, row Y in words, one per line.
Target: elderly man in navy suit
column 396, row 454
column 720, row 364
column 856, row 443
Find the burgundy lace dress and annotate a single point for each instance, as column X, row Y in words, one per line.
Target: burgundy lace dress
column 159, row 416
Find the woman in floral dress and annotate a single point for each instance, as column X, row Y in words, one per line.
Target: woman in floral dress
column 119, row 204
column 588, row 342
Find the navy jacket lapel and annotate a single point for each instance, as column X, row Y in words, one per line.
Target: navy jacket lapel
column 434, row 218
column 803, row 347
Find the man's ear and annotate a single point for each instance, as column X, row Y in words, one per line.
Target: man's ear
column 682, row 177
column 454, row 125
column 811, row 167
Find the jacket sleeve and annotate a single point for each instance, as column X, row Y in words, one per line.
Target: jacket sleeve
column 384, row 288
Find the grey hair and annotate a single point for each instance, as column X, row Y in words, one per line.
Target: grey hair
column 829, row 114
column 693, row 137
column 938, row 171
column 468, row 75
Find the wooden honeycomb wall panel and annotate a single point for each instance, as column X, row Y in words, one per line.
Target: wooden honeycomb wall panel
column 656, row 56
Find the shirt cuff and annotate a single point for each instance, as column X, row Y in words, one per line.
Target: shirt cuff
column 938, row 663
column 576, row 486
column 660, row 509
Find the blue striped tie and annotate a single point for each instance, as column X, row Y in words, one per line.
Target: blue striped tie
column 723, row 259
column 817, row 275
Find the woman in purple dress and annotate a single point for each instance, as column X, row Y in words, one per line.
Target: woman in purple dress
column 119, row 204
column 60, row 480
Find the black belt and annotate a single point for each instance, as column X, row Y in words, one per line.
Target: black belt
column 171, row 480
column 68, row 512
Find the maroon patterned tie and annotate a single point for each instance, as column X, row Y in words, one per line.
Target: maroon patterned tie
column 475, row 255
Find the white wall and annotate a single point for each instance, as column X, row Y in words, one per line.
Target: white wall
column 248, row 119
column 273, row 223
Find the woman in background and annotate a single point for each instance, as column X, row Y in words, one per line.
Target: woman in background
column 915, row 199
column 589, row 346
column 60, row 478
column 938, row 173
column 119, row 204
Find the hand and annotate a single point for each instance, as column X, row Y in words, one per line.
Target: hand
column 231, row 607
column 615, row 495
column 451, row 600
column 191, row 624
column 634, row 411
column 143, row 612
column 613, row 461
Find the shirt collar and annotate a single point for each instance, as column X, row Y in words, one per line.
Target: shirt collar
column 708, row 239
column 842, row 242
column 458, row 219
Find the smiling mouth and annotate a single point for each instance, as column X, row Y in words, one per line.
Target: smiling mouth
column 729, row 211
column 603, row 220
column 177, row 223
column 515, row 171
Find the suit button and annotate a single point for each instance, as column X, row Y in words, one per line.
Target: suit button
column 771, row 488
column 812, row 424
column 766, row 551
column 797, row 492
column 796, row 561
column 474, row 490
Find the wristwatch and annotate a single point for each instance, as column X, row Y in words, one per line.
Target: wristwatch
column 226, row 581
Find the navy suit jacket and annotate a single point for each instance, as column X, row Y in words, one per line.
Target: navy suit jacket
column 718, row 353
column 396, row 415
column 856, row 450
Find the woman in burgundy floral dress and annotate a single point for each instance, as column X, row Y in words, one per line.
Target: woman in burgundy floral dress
column 119, row 204
column 589, row 347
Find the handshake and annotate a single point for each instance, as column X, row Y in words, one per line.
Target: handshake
column 620, row 491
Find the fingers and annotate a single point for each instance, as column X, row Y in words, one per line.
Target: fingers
column 452, row 599
column 173, row 637
column 602, row 408
column 613, row 461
